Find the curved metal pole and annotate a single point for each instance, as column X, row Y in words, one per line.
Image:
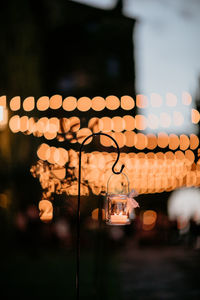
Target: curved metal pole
column 79, row 200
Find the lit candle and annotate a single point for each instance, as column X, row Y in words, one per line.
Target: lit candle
column 119, row 219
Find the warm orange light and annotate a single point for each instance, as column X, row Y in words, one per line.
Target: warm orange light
column 23, row 123
column 179, row 155
column 163, row 140
column 74, row 124
column 69, row 103
column 160, row 155
column 171, row 99
column 120, row 139
column 140, row 122
column 141, row 101
column 53, row 125
column 169, row 155
column 46, row 211
column 93, row 124
column 149, row 219
column 173, row 141
column 64, row 157
column 184, row 142
column 178, row 118
column 106, row 141
column 55, row 102
column 195, row 116
column 127, row 103
column 194, row 141
column 59, row 173
column 156, row 100
column 31, row 125
column 43, row 152
column 165, row 120
column 152, row 121
column 50, row 135
column 29, row 103
column 43, row 103
column 186, row 98
column 64, row 125
column 42, row 125
column 141, row 141
column 118, row 124
column 152, row 141
column 3, row 101
column 129, row 122
column 54, row 152
column 112, row 103
column 105, row 124
column 3, row 117
column 84, row 104
column 189, row 155
column 130, row 138
column 98, row 103
column 15, row 103
column 82, row 134
column 14, row 123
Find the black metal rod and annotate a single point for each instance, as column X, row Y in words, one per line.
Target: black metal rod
column 79, row 200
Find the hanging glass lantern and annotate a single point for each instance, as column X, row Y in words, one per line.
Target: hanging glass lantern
column 119, row 200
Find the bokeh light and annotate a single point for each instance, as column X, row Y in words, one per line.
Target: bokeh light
column 195, row 116
column 112, row 102
column 130, row 138
column 120, row 139
column 82, row 134
column 140, row 122
column 152, row 121
column 151, row 141
column 118, row 124
column 15, row 103
column 14, row 123
column 129, row 122
column 127, row 103
column 74, row 124
column 163, row 140
column 141, row 101
column 3, row 101
column 171, row 100
column 106, row 141
column 98, row 103
column 141, row 141
column 29, row 103
column 184, row 142
column 84, row 104
column 178, row 118
column 165, row 120
column 69, row 103
column 23, row 123
column 186, row 98
column 93, row 124
column 194, row 141
column 173, row 141
column 55, row 102
column 156, row 100
column 43, row 152
column 43, row 103
column 105, row 124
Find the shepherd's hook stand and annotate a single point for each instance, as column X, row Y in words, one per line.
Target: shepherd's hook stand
column 79, row 200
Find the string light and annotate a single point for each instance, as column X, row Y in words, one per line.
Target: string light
column 127, row 103
column 29, row 103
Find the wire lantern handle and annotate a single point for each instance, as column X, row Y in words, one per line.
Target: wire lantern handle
column 78, row 206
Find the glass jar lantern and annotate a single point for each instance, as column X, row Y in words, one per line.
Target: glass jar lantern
column 116, row 206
